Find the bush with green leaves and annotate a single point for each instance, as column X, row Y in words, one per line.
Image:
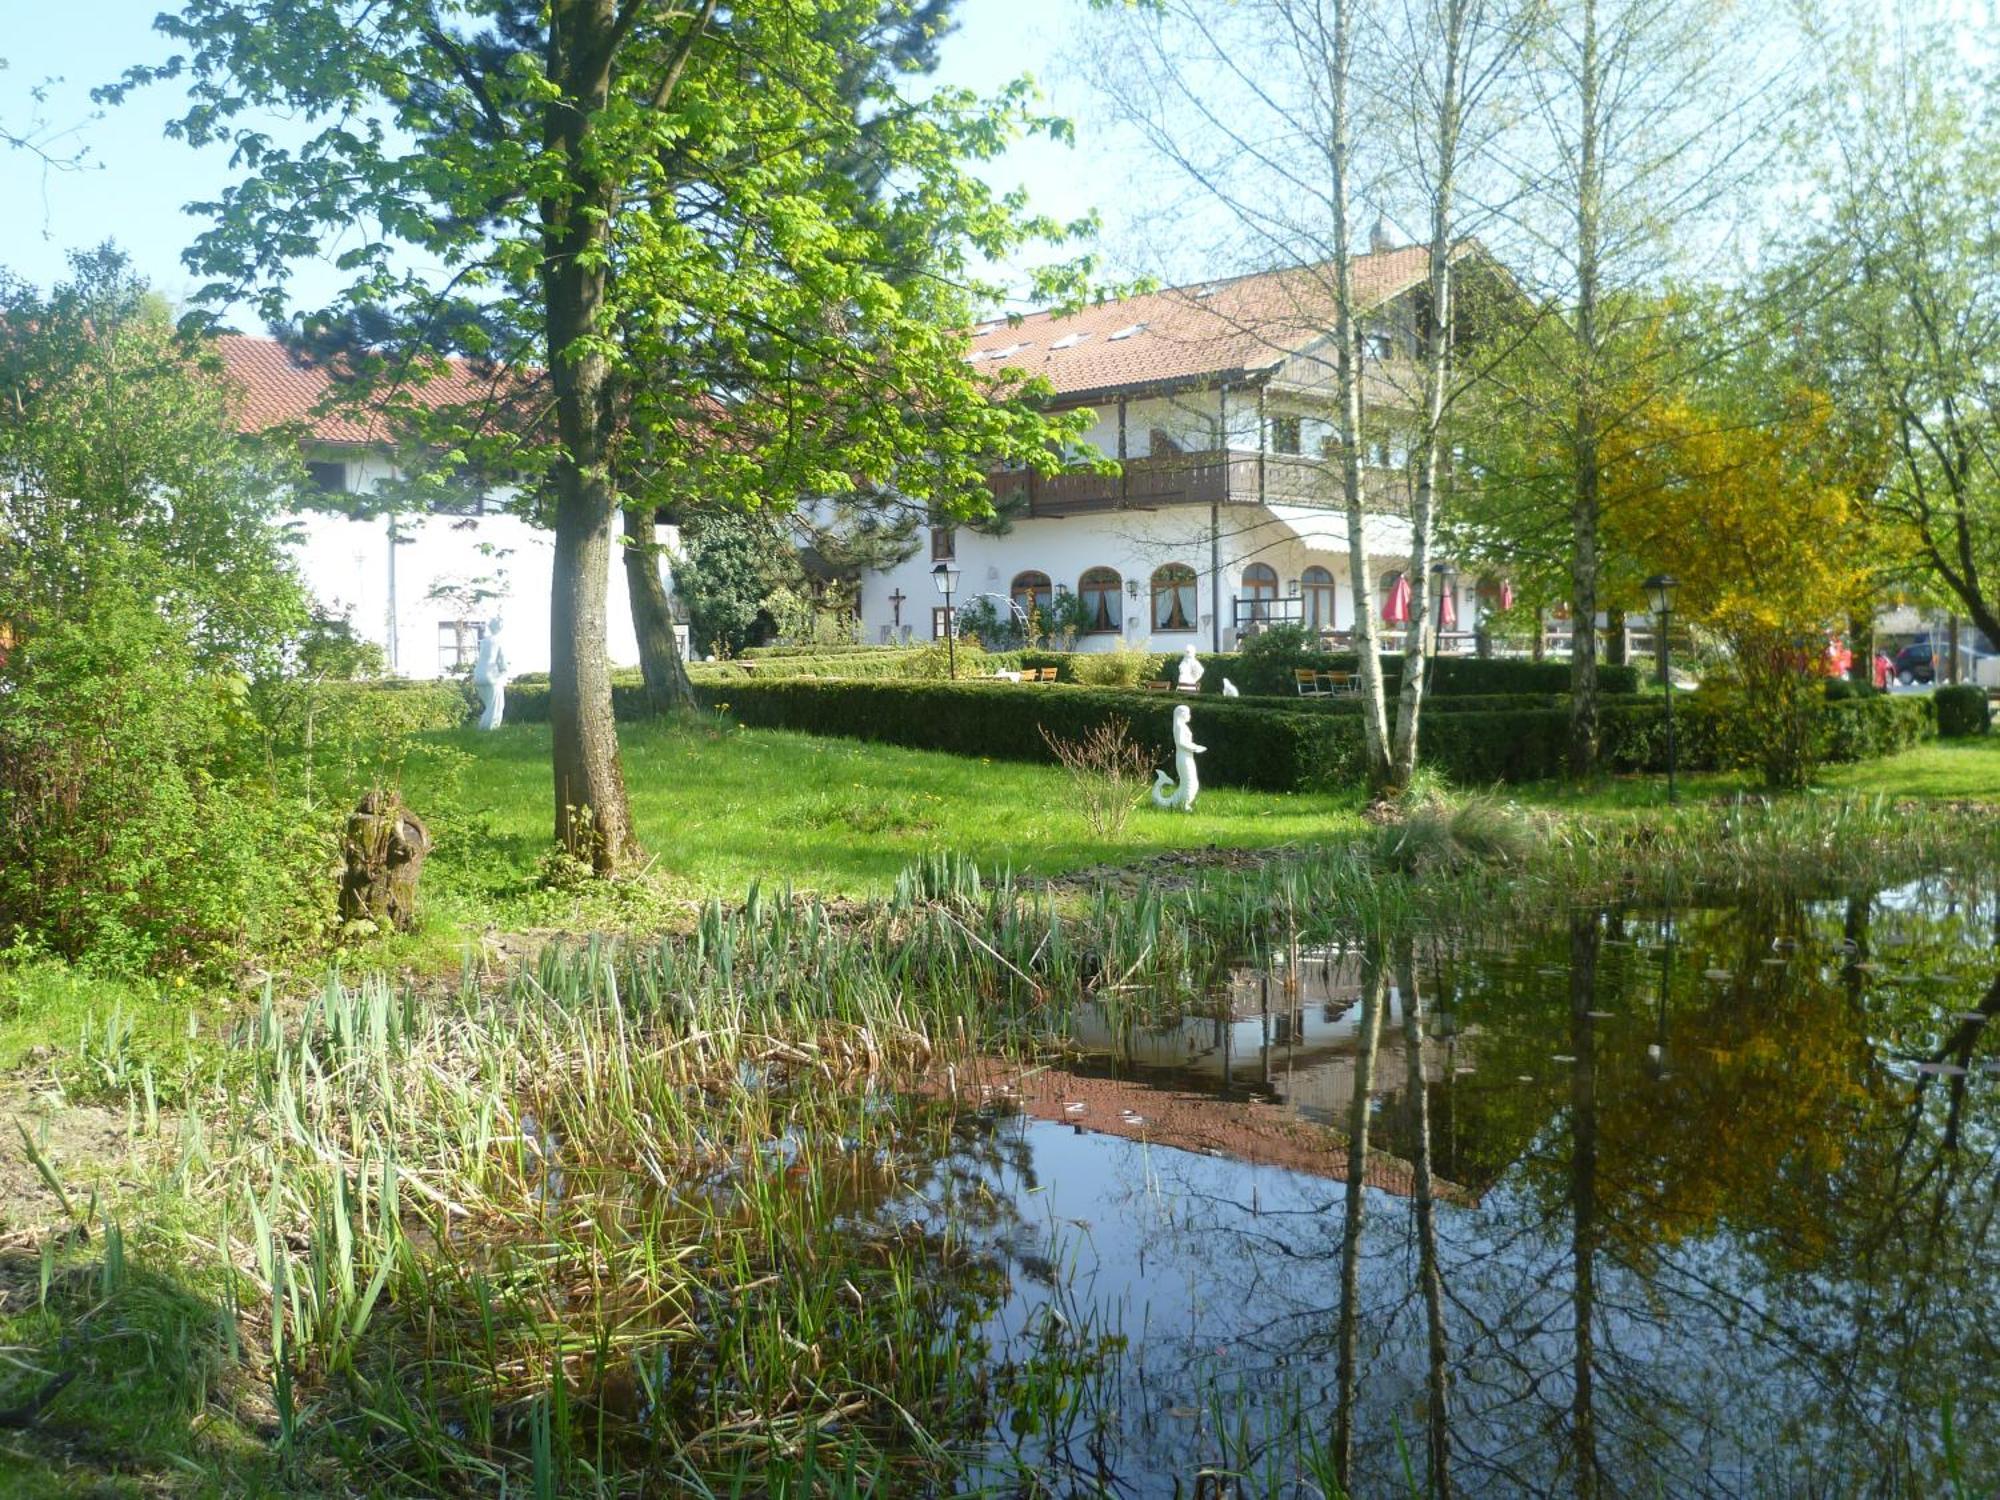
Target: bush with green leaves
column 1119, row 667
column 139, row 829
column 1962, row 711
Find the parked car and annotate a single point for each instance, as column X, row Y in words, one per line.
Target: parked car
column 1921, row 660
column 1915, row 663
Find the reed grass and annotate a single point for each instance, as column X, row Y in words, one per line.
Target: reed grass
column 628, row 1223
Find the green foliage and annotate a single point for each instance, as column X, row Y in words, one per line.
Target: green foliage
column 1273, row 749
column 736, row 565
column 136, row 831
column 1120, row 667
column 1282, row 641
column 123, row 463
column 1962, row 710
column 771, row 224
column 1286, row 745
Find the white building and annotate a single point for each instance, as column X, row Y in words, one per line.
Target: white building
column 421, row 586
column 1218, row 400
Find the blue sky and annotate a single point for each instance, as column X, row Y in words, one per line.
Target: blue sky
column 133, row 182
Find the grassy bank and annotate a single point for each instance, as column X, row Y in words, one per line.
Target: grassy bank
column 615, row 1226
column 719, row 807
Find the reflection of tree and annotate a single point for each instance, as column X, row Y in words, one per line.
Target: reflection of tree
column 1372, row 986
column 1424, row 1208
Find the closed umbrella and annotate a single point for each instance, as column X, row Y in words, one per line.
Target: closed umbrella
column 1396, row 608
column 1506, row 594
column 1447, row 611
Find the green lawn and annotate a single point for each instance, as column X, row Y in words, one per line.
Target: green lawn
column 719, row 807
column 1941, row 770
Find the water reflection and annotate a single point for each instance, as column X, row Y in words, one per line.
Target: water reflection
column 1694, row 1203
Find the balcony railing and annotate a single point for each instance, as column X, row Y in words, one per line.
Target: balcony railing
column 1236, row 476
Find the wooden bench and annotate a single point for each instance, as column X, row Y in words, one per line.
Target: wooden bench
column 1159, row 687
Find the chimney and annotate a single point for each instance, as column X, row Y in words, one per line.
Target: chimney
column 1378, row 237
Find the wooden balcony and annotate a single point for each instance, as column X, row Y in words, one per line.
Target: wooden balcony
column 1233, row 477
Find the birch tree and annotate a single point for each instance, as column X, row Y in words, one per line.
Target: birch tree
column 1279, row 118
column 1900, row 269
column 1645, row 120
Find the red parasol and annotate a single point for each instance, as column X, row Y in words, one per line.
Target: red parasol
column 1396, row 608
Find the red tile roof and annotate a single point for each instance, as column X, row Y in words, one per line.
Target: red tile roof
column 1183, row 334
column 277, row 391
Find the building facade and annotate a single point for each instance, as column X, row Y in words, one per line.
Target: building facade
column 1224, row 514
column 419, row 584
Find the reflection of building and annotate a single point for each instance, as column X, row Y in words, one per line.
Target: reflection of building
column 1295, row 1047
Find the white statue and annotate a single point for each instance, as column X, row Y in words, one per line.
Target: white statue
column 1185, row 750
column 1229, row 689
column 1191, row 670
column 489, row 674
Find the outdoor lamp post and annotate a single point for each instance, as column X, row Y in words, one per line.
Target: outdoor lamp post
column 1660, row 594
column 945, row 576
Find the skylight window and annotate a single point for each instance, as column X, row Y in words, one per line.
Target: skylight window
column 1069, row 341
column 1011, row 349
column 1127, row 331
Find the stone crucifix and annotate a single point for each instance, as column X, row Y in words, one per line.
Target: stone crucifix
column 896, row 603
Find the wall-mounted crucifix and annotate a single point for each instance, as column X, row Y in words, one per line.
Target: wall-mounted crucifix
column 896, row 603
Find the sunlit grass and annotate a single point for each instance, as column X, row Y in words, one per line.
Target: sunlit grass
column 718, row 807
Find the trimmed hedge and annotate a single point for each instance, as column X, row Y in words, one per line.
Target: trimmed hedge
column 1272, row 749
column 1962, row 711
column 1275, row 745
column 1451, row 676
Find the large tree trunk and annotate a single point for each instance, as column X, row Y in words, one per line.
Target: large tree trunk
column 667, row 686
column 593, row 818
column 1585, row 501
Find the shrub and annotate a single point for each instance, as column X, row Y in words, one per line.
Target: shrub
column 1121, row 667
column 137, row 829
column 1962, row 710
column 1108, row 770
column 1275, row 744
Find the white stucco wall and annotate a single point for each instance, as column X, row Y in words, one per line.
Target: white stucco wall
column 347, row 565
column 1135, row 543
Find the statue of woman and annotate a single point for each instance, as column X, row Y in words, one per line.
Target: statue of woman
column 489, row 674
column 1185, row 750
column 1191, row 671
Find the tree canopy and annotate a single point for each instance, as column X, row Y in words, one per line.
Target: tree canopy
column 624, row 210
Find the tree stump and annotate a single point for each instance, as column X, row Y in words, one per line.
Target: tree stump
column 385, row 848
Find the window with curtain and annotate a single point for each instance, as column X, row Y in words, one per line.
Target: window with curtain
column 1030, row 592
column 1099, row 590
column 1174, row 605
column 1316, row 585
column 1260, row 588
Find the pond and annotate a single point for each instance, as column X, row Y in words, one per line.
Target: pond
column 1675, row 1202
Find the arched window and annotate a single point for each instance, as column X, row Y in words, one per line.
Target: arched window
column 1316, row 584
column 1098, row 589
column 1260, row 591
column 1031, row 591
column 1173, row 598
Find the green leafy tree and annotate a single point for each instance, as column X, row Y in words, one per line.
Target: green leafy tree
column 1899, row 295
column 735, row 563
column 631, row 200
column 118, row 455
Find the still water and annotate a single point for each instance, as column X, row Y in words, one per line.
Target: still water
column 1695, row 1202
